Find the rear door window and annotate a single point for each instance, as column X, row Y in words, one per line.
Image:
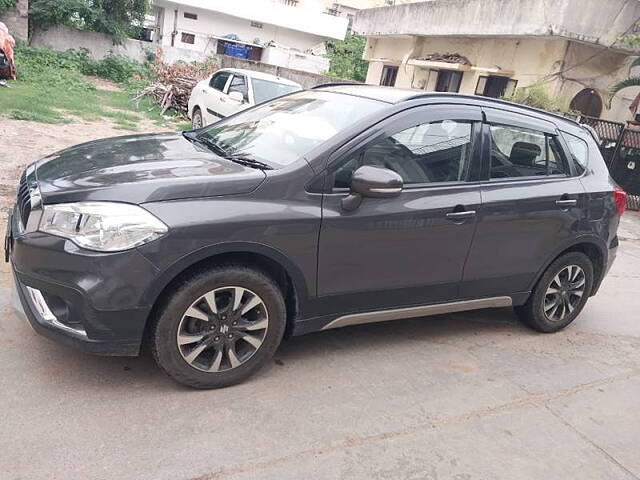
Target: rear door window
column 520, row 152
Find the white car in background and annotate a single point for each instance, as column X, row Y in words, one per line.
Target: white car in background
column 230, row 90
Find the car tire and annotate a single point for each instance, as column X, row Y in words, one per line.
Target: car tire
column 560, row 294
column 197, row 120
column 222, row 360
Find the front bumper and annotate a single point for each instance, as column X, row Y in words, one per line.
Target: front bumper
column 94, row 300
column 73, row 336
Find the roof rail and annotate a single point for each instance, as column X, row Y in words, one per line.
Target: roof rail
column 334, row 84
column 493, row 100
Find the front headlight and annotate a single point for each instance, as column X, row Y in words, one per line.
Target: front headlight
column 102, row 226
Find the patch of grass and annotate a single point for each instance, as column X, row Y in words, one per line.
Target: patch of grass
column 52, row 87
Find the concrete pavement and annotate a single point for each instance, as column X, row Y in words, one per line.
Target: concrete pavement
column 464, row 396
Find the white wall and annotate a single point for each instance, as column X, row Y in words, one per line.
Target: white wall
column 271, row 12
column 295, row 60
column 101, row 45
column 216, row 24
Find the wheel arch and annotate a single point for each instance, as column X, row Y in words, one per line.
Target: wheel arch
column 592, row 246
column 287, row 275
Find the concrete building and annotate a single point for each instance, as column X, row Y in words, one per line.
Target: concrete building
column 349, row 8
column 17, row 20
column 491, row 47
column 286, row 33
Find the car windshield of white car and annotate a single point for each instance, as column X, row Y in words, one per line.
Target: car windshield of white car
column 285, row 129
column 264, row 90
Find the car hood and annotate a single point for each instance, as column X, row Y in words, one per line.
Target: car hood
column 139, row 169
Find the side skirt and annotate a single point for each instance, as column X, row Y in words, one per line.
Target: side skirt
column 421, row 311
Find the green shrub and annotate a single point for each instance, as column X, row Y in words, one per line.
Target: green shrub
column 537, row 96
column 6, row 5
column 116, row 68
column 50, row 68
column 68, row 66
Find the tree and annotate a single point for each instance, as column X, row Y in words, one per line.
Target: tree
column 346, row 58
column 631, row 81
column 631, row 40
column 119, row 18
column 6, row 5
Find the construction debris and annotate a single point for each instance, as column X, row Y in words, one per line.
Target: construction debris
column 446, row 57
column 172, row 85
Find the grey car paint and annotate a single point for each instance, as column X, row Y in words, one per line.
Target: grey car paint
column 389, row 253
column 139, row 169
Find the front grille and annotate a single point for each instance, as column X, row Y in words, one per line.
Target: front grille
column 24, row 199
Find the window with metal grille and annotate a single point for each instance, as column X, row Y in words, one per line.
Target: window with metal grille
column 188, row 38
column 495, row 86
column 190, row 16
column 389, row 74
column 448, row 81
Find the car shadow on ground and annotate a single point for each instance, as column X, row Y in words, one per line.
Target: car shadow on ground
column 76, row 369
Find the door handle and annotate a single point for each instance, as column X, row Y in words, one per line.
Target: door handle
column 461, row 215
column 566, row 203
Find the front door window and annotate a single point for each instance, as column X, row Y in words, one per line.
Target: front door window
column 427, row 153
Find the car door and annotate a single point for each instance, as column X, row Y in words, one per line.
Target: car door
column 411, row 249
column 213, row 96
column 531, row 205
column 229, row 105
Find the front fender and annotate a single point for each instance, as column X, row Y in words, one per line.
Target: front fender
column 210, row 252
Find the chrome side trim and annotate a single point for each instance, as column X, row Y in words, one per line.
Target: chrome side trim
column 421, row 311
column 386, row 190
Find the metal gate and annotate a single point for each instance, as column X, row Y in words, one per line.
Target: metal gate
column 620, row 148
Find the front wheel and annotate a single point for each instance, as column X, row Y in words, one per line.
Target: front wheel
column 196, row 118
column 219, row 327
column 560, row 294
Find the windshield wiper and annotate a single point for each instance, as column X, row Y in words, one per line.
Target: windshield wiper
column 211, row 145
column 239, row 158
column 248, row 161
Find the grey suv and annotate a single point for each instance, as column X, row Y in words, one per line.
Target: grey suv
column 335, row 206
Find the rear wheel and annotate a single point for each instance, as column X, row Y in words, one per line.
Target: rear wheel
column 219, row 327
column 560, row 294
column 196, row 118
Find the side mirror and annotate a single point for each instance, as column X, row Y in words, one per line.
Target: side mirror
column 372, row 182
column 236, row 97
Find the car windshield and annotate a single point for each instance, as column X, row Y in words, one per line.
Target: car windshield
column 264, row 90
column 285, row 129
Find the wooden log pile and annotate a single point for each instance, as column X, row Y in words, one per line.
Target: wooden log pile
column 172, row 84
